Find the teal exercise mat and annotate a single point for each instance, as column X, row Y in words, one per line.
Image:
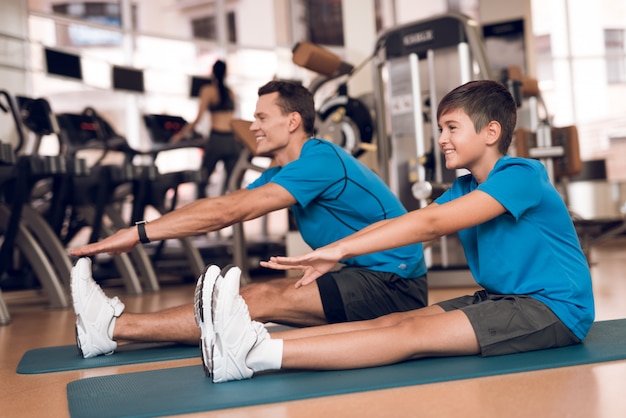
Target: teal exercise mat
column 67, row 357
column 184, row 390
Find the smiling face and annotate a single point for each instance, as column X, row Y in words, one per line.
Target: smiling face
column 484, row 102
column 271, row 127
column 463, row 147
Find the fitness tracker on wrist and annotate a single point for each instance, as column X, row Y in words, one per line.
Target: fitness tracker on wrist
column 141, row 230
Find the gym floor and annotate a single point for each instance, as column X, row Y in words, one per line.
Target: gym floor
column 588, row 391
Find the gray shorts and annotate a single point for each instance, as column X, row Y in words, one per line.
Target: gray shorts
column 506, row 324
column 354, row 294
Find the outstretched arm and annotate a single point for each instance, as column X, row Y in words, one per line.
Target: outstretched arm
column 420, row 225
column 199, row 217
column 321, row 264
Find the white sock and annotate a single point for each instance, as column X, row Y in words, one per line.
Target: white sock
column 267, row 355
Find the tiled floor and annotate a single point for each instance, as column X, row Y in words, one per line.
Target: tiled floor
column 589, row 391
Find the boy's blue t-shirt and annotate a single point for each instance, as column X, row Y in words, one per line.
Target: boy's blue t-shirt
column 533, row 248
column 337, row 196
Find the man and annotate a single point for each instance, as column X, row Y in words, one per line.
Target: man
column 331, row 194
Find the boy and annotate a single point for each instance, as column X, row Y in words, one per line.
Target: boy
column 518, row 238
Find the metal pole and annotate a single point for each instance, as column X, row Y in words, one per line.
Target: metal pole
column 418, row 120
column 221, row 26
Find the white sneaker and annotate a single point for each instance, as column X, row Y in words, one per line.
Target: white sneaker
column 95, row 312
column 235, row 333
column 203, row 299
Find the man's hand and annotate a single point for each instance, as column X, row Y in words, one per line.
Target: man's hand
column 122, row 241
column 313, row 264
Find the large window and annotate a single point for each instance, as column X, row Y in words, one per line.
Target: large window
column 615, row 55
column 504, row 45
column 543, row 50
column 325, row 22
column 206, row 28
column 105, row 13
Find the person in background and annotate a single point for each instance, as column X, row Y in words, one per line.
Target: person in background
column 218, row 99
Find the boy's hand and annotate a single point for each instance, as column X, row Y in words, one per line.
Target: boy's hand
column 312, row 265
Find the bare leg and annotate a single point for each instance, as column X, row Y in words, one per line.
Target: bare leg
column 279, row 301
column 448, row 333
column 381, row 322
column 171, row 325
column 273, row 301
column 276, row 301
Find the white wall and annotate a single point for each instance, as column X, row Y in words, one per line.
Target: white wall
column 13, row 59
column 359, row 22
column 409, row 10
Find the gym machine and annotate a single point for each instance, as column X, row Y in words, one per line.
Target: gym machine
column 415, row 65
column 245, row 253
column 129, row 185
column 29, row 246
column 81, row 195
column 340, row 118
column 596, row 206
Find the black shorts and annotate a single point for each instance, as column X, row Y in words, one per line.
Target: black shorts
column 354, row 294
column 506, row 324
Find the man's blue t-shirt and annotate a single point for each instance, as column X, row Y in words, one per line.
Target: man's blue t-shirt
column 337, row 196
column 533, row 248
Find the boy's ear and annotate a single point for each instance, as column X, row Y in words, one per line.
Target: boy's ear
column 493, row 131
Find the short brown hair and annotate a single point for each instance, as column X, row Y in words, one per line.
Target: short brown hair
column 484, row 101
column 293, row 97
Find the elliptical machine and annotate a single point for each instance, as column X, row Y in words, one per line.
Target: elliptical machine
column 341, row 119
